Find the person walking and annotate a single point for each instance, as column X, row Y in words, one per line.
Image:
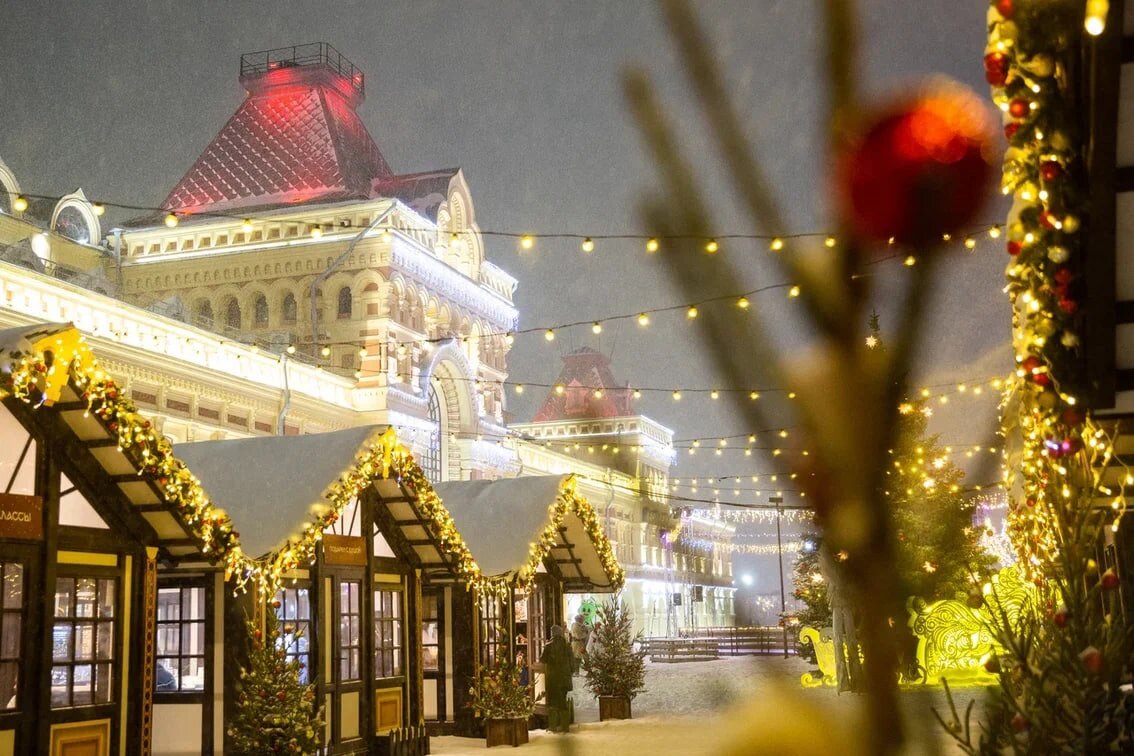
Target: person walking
column 558, row 662
column 579, row 636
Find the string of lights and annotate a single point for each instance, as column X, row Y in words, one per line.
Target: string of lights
column 525, row 240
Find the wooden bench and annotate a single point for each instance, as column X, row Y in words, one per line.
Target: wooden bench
column 670, row 650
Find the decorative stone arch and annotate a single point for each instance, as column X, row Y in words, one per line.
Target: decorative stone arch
column 9, row 189
column 449, row 376
column 257, row 306
column 460, row 216
column 74, row 217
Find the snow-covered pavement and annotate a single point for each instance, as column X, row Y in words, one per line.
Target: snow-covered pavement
column 745, row 705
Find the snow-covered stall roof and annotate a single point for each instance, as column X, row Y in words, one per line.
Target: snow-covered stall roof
column 269, row 485
column 502, row 520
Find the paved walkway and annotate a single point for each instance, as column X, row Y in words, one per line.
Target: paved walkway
column 744, row 705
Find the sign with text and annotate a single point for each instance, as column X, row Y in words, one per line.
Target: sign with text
column 21, row 517
column 344, row 550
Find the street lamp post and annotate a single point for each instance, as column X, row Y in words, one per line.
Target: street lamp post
column 778, row 501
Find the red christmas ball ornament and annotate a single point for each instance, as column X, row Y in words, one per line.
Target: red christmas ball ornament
column 1019, row 108
column 1047, row 219
column 1041, row 379
column 1050, row 170
column 1015, row 248
column 1031, row 364
column 996, row 68
column 1005, row 8
column 281, row 695
column 1063, row 276
column 1030, row 502
column 992, row 665
column 917, row 170
column 1068, row 305
column 1010, row 130
column 1060, row 616
column 1019, row 723
column 1109, row 579
column 1072, row 416
column 1092, row 659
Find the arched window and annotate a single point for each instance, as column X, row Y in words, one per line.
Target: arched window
column 289, row 308
column 204, row 314
column 431, row 457
column 232, row 314
column 260, row 311
column 344, row 303
column 71, row 223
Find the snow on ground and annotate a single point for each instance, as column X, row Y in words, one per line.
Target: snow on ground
column 732, row 706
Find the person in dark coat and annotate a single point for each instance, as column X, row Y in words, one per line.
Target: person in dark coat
column 558, row 662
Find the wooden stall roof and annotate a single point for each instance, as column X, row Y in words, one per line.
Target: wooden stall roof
column 88, row 440
column 503, row 523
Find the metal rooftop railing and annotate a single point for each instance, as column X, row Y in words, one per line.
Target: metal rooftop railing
column 312, row 54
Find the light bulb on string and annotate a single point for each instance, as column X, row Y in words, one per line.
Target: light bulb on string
column 994, row 232
column 171, row 219
column 776, row 245
column 549, row 334
column 793, row 292
column 316, row 232
column 588, row 245
column 743, row 303
column 596, row 328
column 20, row 203
column 692, row 312
column 527, row 242
column 325, row 351
column 99, row 209
column 829, row 242
column 246, row 226
column 711, row 246
column 519, row 388
column 652, row 245
column 643, row 319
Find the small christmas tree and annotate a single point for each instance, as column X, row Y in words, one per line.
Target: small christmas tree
column 612, row 666
column 810, row 587
column 275, row 713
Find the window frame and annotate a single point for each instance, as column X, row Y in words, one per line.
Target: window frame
column 7, row 560
column 342, row 649
column 306, row 675
column 75, row 573
column 208, row 619
column 384, row 624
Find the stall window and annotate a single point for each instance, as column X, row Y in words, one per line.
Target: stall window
column 180, row 639
column 350, row 630
column 83, row 641
column 11, row 630
column 387, row 633
column 430, row 633
column 491, row 629
column 293, row 608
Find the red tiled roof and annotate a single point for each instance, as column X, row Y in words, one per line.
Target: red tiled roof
column 584, row 370
column 293, row 140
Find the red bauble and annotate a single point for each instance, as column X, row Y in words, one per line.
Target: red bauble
column 996, row 68
column 1050, row 170
column 1047, row 219
column 918, row 172
column 1041, row 379
column 1060, row 616
column 992, row 665
column 1072, row 416
column 1068, row 305
column 1019, row 723
column 1010, row 130
column 1031, row 363
column 1015, row 248
column 1092, row 659
column 281, row 695
column 1019, row 108
column 1005, row 8
column 1109, row 579
column 1063, row 276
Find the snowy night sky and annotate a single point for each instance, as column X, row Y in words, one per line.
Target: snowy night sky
column 120, row 98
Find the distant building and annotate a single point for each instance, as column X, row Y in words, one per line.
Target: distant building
column 590, row 417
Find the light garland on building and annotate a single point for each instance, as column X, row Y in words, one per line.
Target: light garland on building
column 1027, row 71
column 52, row 359
column 761, row 516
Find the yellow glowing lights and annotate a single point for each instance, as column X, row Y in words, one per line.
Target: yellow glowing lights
column 743, row 303
column 560, row 389
column 994, row 232
column 776, row 245
column 588, row 245
column 325, row 351
column 316, row 232
column 910, row 261
column 291, row 348
column 246, row 226
column 596, row 328
column 643, row 319
column 711, row 246
column 754, row 395
column 549, row 334
column 519, row 388
column 171, row 219
column 1095, row 20
column 793, row 292
column 527, row 241
column 714, row 394
column 830, row 242
column 637, row 394
column 652, row 245
column 20, row 203
column 99, row 209
column 677, row 396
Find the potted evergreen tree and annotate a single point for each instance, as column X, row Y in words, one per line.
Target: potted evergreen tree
column 275, row 712
column 614, row 670
column 503, row 702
